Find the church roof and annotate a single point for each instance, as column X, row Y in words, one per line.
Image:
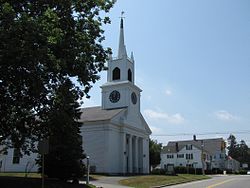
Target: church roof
column 98, row 114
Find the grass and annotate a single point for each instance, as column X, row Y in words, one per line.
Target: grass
column 33, row 180
column 157, row 180
column 20, row 174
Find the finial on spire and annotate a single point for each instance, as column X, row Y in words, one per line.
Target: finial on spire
column 121, row 26
column 122, row 14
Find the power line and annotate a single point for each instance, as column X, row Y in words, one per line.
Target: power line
column 203, row 134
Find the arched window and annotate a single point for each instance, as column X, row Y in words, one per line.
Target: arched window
column 116, row 74
column 129, row 75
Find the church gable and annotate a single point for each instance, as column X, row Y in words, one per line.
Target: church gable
column 133, row 121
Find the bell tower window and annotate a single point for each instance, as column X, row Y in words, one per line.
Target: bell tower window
column 129, row 75
column 116, row 74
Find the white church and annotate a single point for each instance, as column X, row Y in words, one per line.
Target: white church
column 115, row 134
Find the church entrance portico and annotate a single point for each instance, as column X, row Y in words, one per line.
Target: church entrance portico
column 133, row 154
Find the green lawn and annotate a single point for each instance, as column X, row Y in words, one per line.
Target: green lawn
column 20, row 174
column 156, row 180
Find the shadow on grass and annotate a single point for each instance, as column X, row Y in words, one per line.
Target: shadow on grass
column 19, row 182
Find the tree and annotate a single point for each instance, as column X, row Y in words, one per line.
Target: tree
column 243, row 155
column 232, row 146
column 42, row 43
column 65, row 143
column 154, row 153
column 239, row 152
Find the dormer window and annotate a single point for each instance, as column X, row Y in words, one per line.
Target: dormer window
column 116, row 74
column 129, row 75
column 189, row 147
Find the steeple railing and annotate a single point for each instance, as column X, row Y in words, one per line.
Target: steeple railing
column 117, row 58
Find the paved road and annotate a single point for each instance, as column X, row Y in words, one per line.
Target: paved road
column 231, row 181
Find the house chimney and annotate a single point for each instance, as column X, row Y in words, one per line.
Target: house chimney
column 177, row 147
column 194, row 137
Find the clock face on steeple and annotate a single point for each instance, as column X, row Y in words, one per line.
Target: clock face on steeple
column 114, row 96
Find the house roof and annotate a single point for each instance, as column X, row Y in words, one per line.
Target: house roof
column 98, row 114
column 210, row 145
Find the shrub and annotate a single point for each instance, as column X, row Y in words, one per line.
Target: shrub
column 180, row 170
column 243, row 172
column 158, row 172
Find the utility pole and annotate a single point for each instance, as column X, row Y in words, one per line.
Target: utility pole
column 202, row 157
column 87, row 181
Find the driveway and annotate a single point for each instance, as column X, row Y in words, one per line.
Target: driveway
column 109, row 182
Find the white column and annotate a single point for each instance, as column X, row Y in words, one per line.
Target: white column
column 130, row 157
column 136, row 155
column 141, row 158
column 145, row 145
column 124, row 153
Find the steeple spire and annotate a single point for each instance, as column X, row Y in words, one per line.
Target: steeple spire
column 122, row 48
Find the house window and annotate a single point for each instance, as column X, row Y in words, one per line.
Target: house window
column 189, row 156
column 116, row 74
column 180, row 155
column 170, row 156
column 189, row 147
column 16, row 156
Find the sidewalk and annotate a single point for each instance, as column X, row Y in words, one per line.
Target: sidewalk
column 109, row 182
column 104, row 185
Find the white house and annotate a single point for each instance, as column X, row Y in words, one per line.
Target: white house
column 12, row 162
column 190, row 152
column 232, row 165
column 115, row 134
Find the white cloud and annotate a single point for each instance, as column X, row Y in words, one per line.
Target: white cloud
column 225, row 116
column 174, row 119
column 168, row 92
column 155, row 130
column 149, row 97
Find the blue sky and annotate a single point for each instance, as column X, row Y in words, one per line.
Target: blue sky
column 192, row 63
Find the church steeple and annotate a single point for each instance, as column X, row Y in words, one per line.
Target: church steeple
column 120, row 90
column 122, row 48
